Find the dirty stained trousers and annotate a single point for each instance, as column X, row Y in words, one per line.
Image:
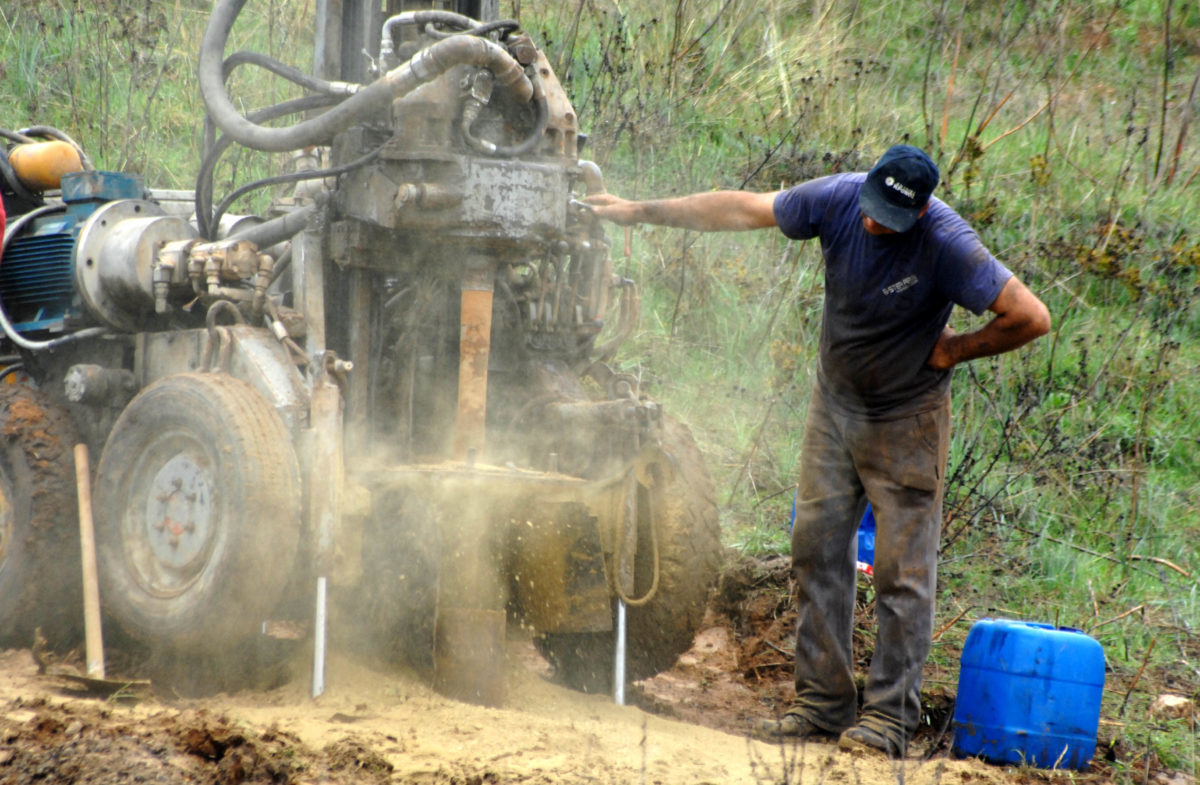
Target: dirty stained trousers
column 899, row 466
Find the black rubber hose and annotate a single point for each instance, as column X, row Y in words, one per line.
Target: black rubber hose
column 276, row 230
column 294, row 75
column 527, row 144
column 294, row 177
column 425, row 18
column 13, row 136
column 215, row 149
column 14, row 182
column 487, row 28
column 29, row 136
column 51, row 132
column 423, row 67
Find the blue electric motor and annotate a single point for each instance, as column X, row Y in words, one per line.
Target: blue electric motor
column 37, row 270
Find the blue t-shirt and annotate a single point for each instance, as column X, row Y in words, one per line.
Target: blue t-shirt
column 887, row 297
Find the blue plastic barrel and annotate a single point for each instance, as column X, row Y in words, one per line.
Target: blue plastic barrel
column 1029, row 694
column 866, row 542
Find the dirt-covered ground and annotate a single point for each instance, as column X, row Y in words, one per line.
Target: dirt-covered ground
column 688, row 725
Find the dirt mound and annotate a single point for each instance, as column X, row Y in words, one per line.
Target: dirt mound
column 740, row 668
column 688, row 725
column 45, row 740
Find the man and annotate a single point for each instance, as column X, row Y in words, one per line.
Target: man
column 896, row 262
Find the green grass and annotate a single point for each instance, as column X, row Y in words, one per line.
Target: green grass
column 120, row 77
column 1074, row 493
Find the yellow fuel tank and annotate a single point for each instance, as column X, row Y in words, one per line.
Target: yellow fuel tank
column 40, row 165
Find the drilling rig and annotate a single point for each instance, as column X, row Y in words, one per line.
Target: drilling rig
column 383, row 412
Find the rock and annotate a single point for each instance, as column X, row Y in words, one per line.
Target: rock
column 1169, row 706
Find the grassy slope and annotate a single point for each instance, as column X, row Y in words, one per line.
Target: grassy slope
column 1065, row 133
column 1074, row 496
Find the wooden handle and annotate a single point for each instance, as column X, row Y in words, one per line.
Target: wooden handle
column 91, row 585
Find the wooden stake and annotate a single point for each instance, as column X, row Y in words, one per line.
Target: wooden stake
column 91, row 584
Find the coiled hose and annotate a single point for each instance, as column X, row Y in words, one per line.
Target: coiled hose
column 293, row 177
column 423, row 67
column 29, row 136
column 215, row 149
column 430, row 20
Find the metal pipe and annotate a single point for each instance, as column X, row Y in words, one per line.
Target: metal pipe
column 318, row 674
column 619, row 664
column 474, row 350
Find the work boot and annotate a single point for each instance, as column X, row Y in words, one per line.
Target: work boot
column 861, row 739
column 791, row 726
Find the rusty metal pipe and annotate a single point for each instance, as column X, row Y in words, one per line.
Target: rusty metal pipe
column 473, row 352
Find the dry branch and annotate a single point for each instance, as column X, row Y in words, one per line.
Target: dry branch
column 1129, row 612
column 1163, row 562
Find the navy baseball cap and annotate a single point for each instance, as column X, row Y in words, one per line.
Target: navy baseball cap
column 898, row 187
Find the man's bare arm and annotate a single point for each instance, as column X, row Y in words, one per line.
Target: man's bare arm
column 711, row 211
column 1020, row 318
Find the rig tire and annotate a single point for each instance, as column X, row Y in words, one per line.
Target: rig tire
column 39, row 521
column 197, row 514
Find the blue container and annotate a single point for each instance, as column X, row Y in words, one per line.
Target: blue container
column 866, row 542
column 1029, row 694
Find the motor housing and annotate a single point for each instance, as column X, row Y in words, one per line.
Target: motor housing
column 89, row 262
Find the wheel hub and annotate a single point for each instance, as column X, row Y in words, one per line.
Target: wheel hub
column 179, row 518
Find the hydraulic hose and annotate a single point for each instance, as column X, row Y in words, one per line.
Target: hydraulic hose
column 527, row 144
column 618, row 567
column 487, row 28
column 282, row 263
column 423, row 67
column 53, row 133
column 293, row 177
column 429, row 19
column 28, row 136
column 10, row 232
column 276, row 230
column 204, row 184
column 422, row 19
column 14, row 183
column 294, row 75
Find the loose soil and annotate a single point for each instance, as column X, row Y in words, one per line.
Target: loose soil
column 688, row 725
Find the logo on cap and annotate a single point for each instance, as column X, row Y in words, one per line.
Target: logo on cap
column 891, row 182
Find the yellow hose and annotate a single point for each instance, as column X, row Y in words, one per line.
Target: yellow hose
column 617, row 551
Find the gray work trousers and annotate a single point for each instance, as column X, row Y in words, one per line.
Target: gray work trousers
column 899, row 465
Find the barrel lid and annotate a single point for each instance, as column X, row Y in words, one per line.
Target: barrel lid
column 1026, row 648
